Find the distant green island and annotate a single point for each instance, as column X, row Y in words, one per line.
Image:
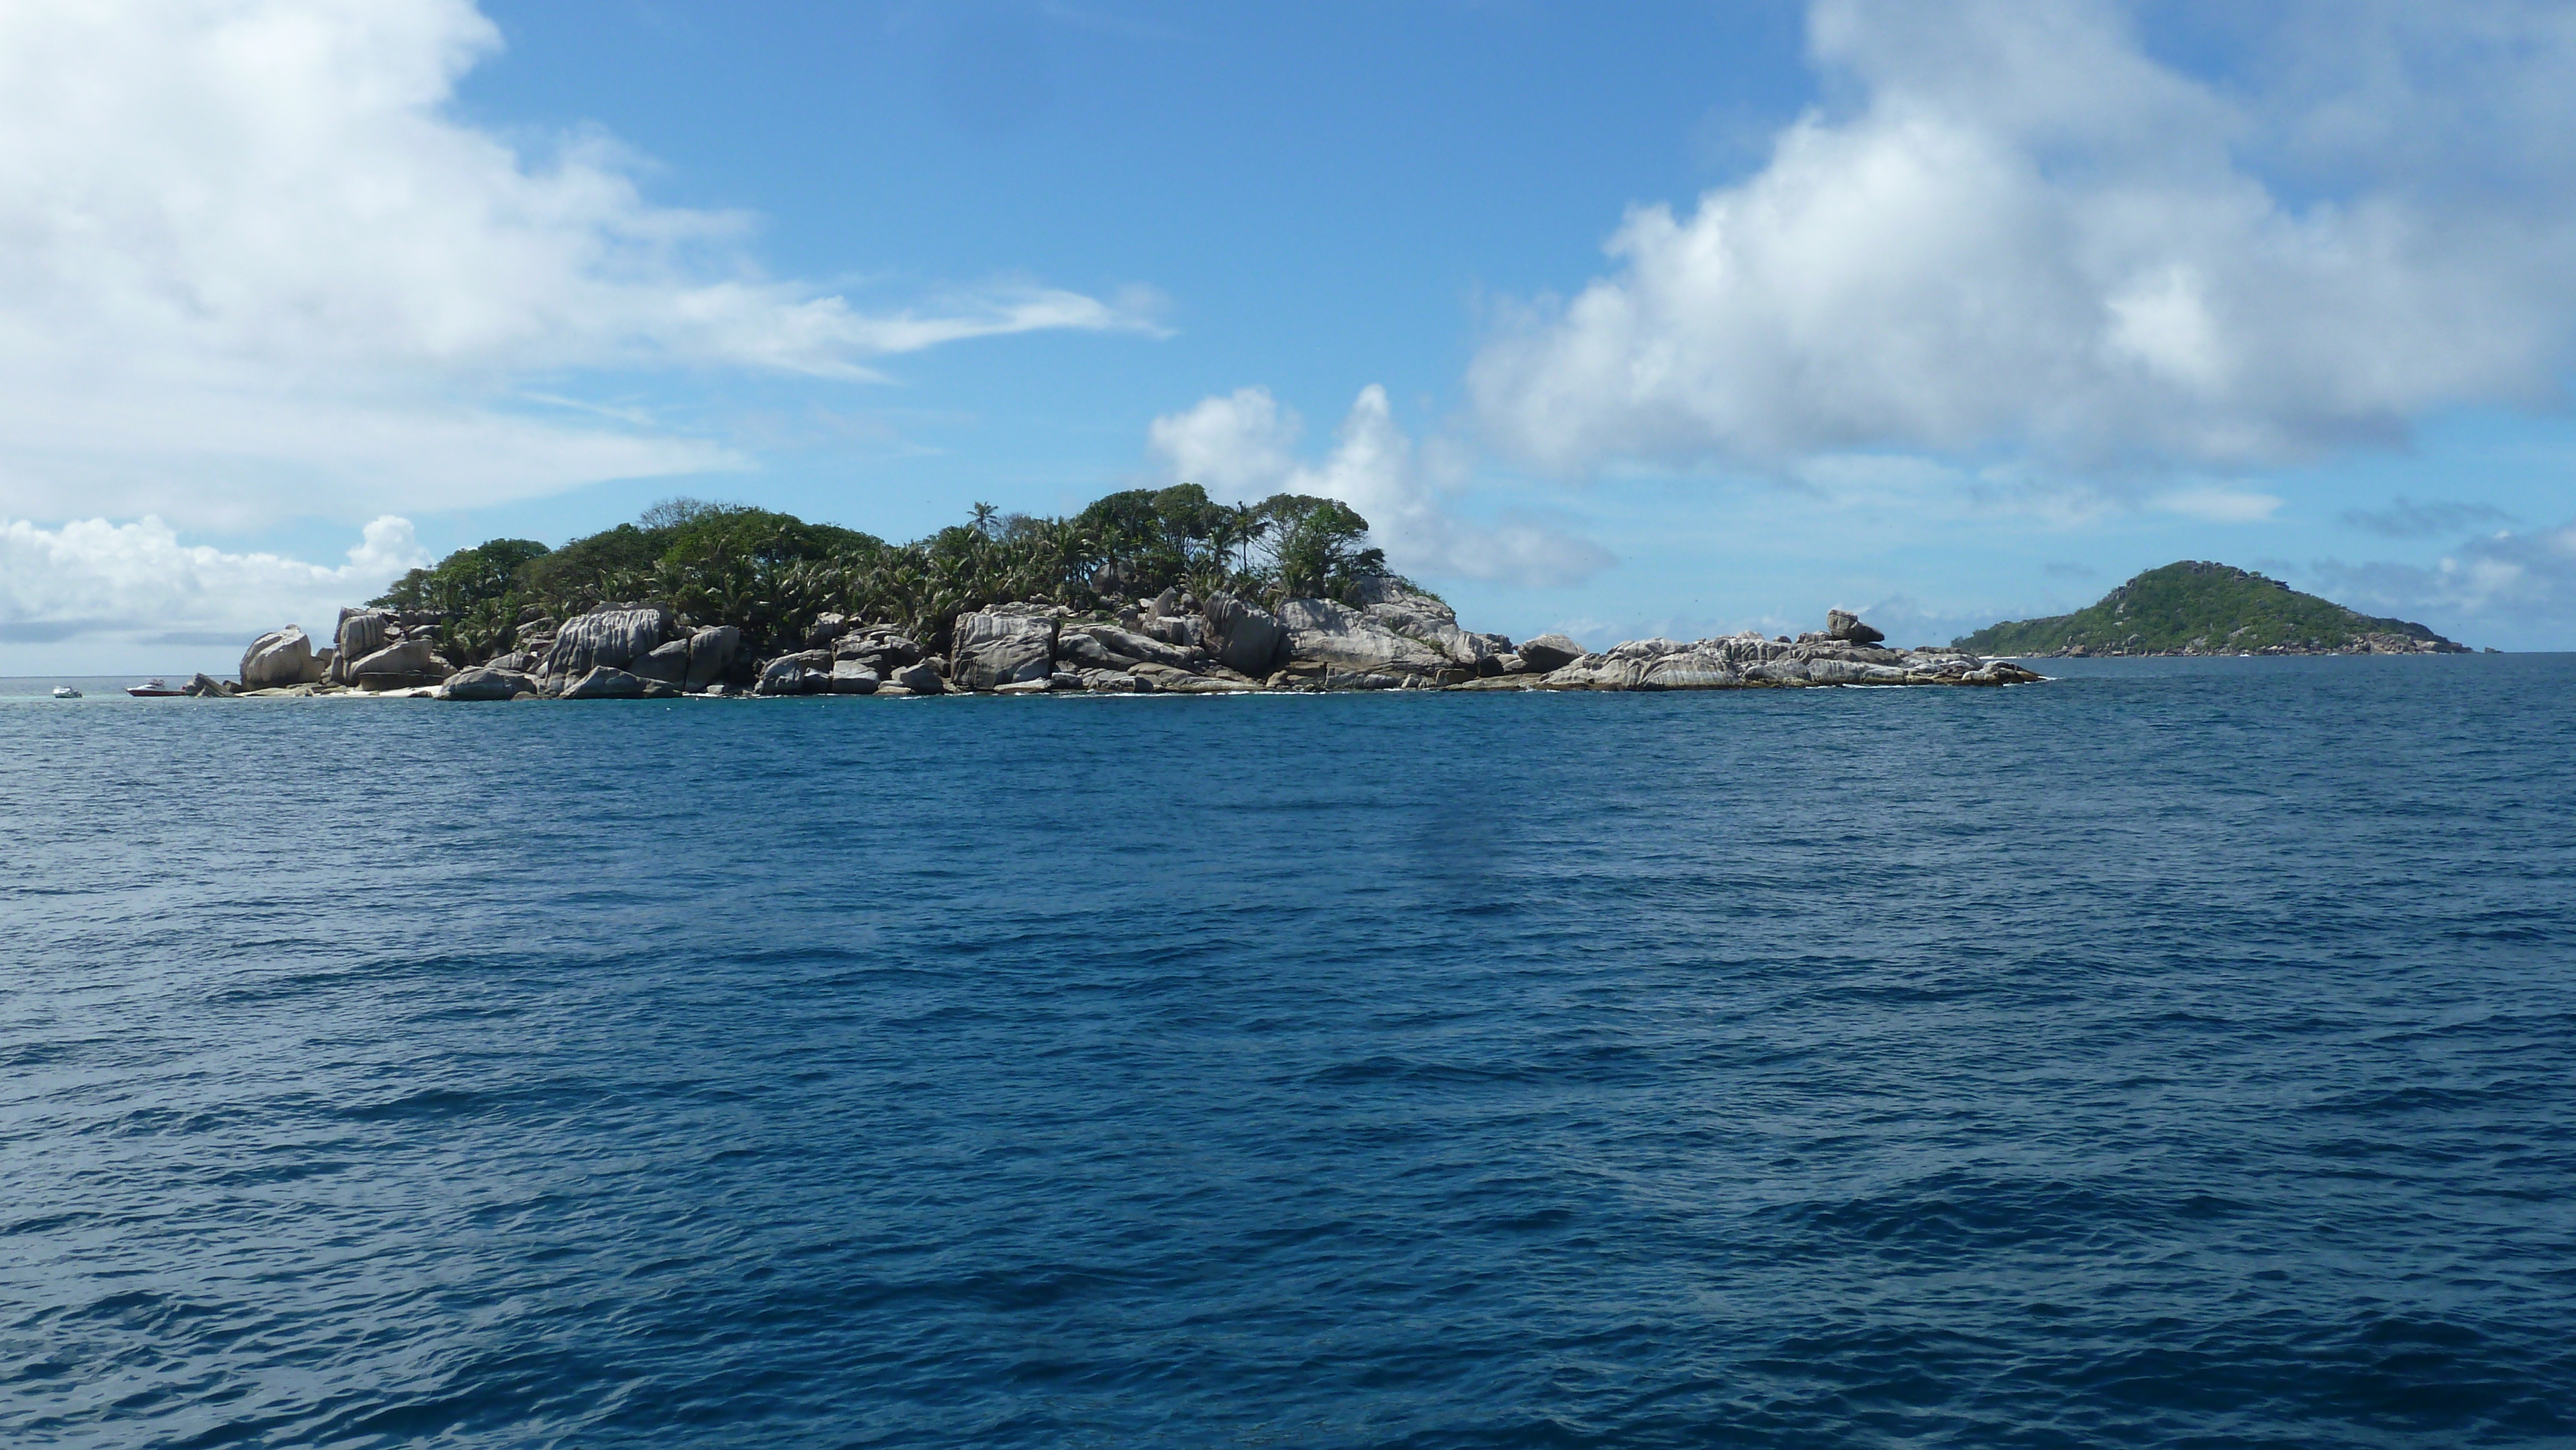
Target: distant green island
column 2193, row 608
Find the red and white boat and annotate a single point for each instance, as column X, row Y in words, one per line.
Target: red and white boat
column 153, row 687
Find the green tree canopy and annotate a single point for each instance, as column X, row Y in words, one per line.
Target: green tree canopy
column 1316, row 545
column 770, row 574
column 463, row 579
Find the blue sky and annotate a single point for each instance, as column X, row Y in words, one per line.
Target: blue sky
column 1619, row 319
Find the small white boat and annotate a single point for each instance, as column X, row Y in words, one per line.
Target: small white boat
column 153, row 688
column 66, row 692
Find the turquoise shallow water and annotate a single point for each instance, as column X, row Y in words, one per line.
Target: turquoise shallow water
column 2178, row 1053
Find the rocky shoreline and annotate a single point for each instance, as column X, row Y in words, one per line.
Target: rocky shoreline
column 1390, row 637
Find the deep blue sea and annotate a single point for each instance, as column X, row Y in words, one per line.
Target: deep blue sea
column 2179, row 1053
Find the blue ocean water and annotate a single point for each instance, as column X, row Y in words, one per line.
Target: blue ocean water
column 2179, row 1053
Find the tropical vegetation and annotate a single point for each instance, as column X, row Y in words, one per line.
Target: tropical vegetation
column 771, row 574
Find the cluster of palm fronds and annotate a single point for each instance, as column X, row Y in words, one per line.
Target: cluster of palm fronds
column 771, row 574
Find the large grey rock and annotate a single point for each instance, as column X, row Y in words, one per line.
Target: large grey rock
column 613, row 637
column 881, row 647
column 806, row 673
column 1179, row 630
column 362, row 632
column 1689, row 670
column 1827, row 670
column 918, row 679
column 1844, row 625
column 667, row 662
column 1181, row 682
column 1418, row 616
column 1646, row 649
column 1251, row 641
column 849, row 677
column 1379, row 589
column 487, row 682
column 827, row 628
column 1595, row 672
column 784, row 675
column 1113, row 682
column 1336, row 634
column 403, row 665
column 606, row 683
column 517, row 662
column 712, row 651
column 1550, row 652
column 1640, row 664
column 993, row 649
column 1081, row 651
column 279, row 659
column 1656, row 664
column 1126, row 647
column 206, row 686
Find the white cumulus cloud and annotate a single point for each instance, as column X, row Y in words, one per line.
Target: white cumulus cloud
column 2026, row 235
column 251, row 265
column 1243, row 446
column 107, row 585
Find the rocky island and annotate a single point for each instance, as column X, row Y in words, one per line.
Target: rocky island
column 2191, row 608
column 1144, row 592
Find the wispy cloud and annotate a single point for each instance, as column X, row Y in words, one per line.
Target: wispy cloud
column 2404, row 518
column 258, row 267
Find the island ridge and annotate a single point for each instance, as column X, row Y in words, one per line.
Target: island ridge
column 2190, row 608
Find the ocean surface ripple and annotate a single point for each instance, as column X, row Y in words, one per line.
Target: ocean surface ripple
column 2176, row 1054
